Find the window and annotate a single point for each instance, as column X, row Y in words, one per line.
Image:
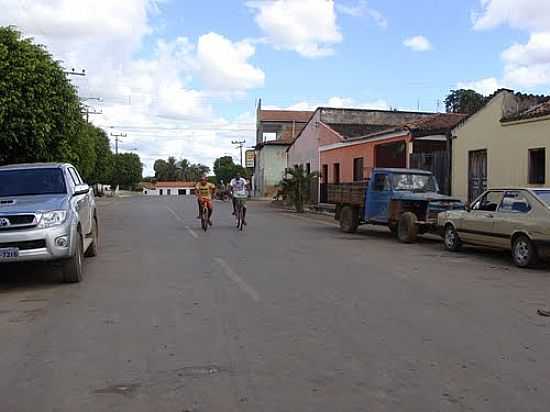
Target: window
column 336, row 169
column 358, row 169
column 381, row 183
column 325, row 174
column 488, row 202
column 537, row 166
column 74, row 176
column 168, row 192
column 308, row 168
column 514, row 202
column 544, row 195
column 160, row 192
column 32, row 181
column 414, row 182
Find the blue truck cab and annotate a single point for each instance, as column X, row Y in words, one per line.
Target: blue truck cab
column 405, row 200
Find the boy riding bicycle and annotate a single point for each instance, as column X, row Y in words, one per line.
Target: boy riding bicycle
column 205, row 192
column 238, row 187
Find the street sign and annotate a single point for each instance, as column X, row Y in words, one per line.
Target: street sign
column 249, row 157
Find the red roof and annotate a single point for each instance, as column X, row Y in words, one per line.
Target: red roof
column 437, row 124
column 175, row 184
column 539, row 110
column 285, row 116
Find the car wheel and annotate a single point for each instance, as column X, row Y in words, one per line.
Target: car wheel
column 524, row 252
column 349, row 219
column 72, row 271
column 451, row 239
column 92, row 249
column 406, row 229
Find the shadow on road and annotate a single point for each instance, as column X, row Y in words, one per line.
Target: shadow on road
column 30, row 276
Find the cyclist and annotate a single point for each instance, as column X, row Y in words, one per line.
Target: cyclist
column 205, row 190
column 238, row 187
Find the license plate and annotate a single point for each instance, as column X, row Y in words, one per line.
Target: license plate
column 9, row 253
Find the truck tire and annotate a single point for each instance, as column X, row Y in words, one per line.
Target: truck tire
column 72, row 270
column 524, row 252
column 406, row 229
column 92, row 249
column 349, row 219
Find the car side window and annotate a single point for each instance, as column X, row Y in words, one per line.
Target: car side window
column 514, row 202
column 381, row 183
column 489, row 202
column 74, row 176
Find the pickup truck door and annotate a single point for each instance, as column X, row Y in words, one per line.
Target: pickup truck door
column 479, row 223
column 82, row 204
column 379, row 194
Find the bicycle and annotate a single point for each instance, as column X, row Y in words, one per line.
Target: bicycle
column 204, row 216
column 239, row 212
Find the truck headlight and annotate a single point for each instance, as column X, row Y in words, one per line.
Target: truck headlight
column 53, row 218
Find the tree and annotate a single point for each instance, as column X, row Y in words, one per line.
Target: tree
column 161, row 169
column 172, row 170
column 127, row 171
column 464, row 101
column 40, row 117
column 225, row 169
column 296, row 186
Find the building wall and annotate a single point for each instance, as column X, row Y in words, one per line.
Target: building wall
column 306, row 148
column 173, row 191
column 345, row 154
column 272, row 162
column 393, row 118
column 507, row 146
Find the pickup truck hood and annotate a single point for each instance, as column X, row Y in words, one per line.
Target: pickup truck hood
column 427, row 196
column 33, row 204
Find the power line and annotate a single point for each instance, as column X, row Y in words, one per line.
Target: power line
column 117, row 139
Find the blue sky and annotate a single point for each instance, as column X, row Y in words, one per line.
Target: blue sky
column 181, row 77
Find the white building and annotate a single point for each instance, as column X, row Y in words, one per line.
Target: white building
column 177, row 188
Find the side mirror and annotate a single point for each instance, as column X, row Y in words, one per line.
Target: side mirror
column 81, row 189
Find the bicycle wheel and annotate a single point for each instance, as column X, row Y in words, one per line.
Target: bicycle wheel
column 204, row 218
column 241, row 220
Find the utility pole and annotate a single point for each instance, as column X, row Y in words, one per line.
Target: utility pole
column 88, row 112
column 117, row 139
column 73, row 72
column 239, row 144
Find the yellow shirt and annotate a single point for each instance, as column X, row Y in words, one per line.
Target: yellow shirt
column 205, row 191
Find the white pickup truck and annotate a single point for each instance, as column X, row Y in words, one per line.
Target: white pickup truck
column 47, row 213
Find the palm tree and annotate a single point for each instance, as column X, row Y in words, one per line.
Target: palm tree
column 297, row 186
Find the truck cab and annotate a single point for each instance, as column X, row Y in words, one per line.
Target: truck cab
column 406, row 200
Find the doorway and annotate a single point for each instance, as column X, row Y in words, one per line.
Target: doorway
column 477, row 174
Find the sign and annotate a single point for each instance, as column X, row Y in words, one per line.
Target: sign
column 249, row 157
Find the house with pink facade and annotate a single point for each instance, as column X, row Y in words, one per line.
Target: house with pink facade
column 329, row 126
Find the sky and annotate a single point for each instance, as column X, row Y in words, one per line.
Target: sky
column 182, row 77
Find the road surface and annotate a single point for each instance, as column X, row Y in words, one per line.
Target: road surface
column 290, row 315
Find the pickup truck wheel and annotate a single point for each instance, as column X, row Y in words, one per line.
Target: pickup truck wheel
column 524, row 252
column 406, row 229
column 92, row 249
column 72, row 271
column 349, row 219
column 451, row 240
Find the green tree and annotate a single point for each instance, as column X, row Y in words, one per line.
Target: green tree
column 40, row 117
column 464, row 101
column 103, row 168
column 161, row 169
column 225, row 169
column 127, row 171
column 296, row 186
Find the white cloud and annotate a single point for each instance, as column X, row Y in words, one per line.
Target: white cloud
column 336, row 102
column 418, row 43
column 361, row 9
column 224, row 64
column 522, row 14
column 484, row 86
column 528, row 65
column 149, row 98
column 306, row 26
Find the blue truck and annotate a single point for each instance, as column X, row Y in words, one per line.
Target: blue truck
column 407, row 201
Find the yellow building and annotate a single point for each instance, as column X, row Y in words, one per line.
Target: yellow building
column 506, row 143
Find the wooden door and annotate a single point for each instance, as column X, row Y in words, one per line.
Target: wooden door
column 477, row 174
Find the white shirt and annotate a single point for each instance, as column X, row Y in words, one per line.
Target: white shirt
column 239, row 186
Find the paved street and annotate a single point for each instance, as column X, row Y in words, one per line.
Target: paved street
column 290, row 315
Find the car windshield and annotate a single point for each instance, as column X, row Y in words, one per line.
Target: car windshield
column 544, row 195
column 413, row 182
column 36, row 181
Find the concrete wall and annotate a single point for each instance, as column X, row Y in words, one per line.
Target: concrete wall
column 507, row 145
column 346, row 152
column 173, row 191
column 306, row 148
column 272, row 162
column 393, row 118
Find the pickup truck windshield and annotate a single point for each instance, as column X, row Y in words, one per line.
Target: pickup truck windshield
column 413, row 182
column 28, row 182
column 544, row 195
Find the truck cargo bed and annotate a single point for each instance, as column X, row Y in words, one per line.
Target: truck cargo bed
column 347, row 193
